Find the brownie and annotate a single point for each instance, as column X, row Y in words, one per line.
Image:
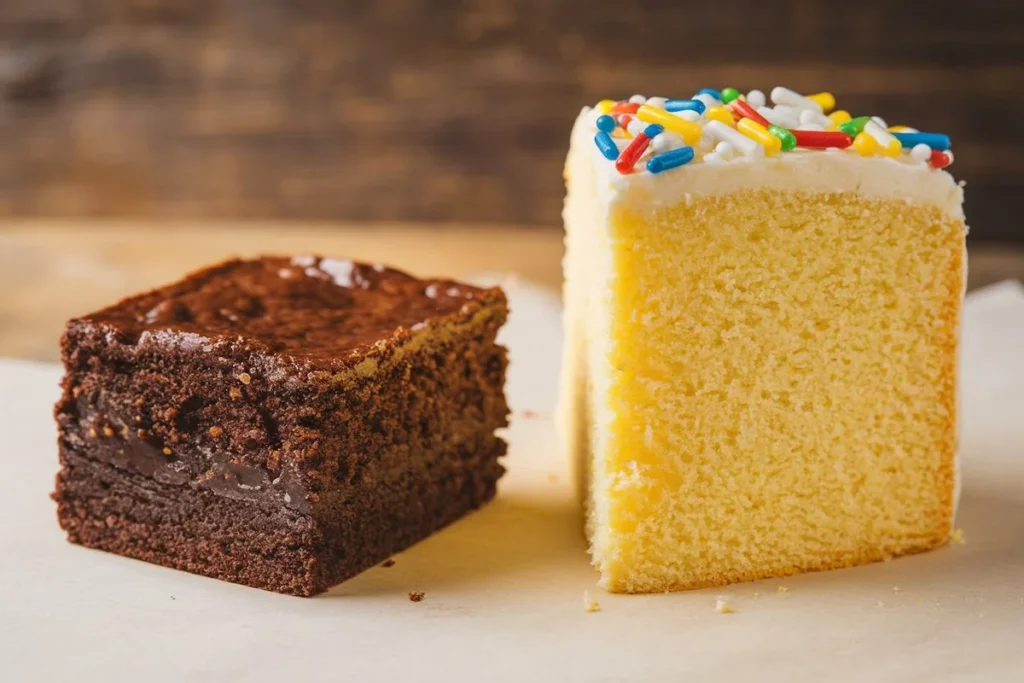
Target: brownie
column 283, row 423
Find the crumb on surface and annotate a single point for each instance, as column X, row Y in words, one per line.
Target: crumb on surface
column 530, row 414
column 167, row 451
column 722, row 606
column 896, row 589
column 589, row 604
column 552, row 477
column 215, row 431
column 956, row 536
column 107, row 431
column 390, row 562
column 417, row 596
column 92, row 432
column 781, row 589
column 235, row 393
column 244, row 378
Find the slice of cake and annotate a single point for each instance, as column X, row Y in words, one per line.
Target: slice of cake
column 762, row 311
column 281, row 423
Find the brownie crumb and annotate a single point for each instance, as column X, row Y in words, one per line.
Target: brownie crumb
column 107, row 431
column 92, row 432
column 417, row 596
column 167, row 451
column 235, row 393
column 141, row 433
column 244, row 378
column 390, row 562
column 215, row 431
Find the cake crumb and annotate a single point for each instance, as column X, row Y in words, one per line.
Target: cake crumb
column 895, row 589
column 244, row 378
column 417, row 596
column 92, row 432
column 215, row 431
column 530, row 414
column 235, row 393
column 781, row 589
column 589, row 604
column 390, row 562
column 167, row 451
column 107, row 431
column 956, row 536
column 722, row 606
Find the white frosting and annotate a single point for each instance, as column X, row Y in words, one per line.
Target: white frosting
column 834, row 170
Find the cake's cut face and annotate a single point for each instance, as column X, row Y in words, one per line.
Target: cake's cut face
column 760, row 374
column 282, row 423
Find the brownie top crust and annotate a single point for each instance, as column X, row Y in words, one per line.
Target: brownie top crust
column 306, row 307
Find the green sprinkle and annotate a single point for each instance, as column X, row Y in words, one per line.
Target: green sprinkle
column 787, row 138
column 853, row 127
column 729, row 94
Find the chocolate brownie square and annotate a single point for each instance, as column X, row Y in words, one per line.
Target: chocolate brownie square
column 283, row 423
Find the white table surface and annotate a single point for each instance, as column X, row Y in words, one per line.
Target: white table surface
column 504, row 587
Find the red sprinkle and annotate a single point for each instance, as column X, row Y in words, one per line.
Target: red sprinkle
column 625, row 108
column 742, row 109
column 623, row 120
column 821, row 139
column 631, row 154
column 939, row 159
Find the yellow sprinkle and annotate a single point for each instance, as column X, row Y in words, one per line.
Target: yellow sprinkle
column 887, row 144
column 825, row 100
column 690, row 131
column 722, row 115
column 839, row 117
column 605, row 106
column 758, row 133
column 865, row 145
column 901, row 129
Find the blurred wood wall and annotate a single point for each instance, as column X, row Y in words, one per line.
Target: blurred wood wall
column 452, row 110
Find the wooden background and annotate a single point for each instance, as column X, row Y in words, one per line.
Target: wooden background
column 451, row 110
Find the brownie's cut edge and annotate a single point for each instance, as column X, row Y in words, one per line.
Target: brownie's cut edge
column 281, row 423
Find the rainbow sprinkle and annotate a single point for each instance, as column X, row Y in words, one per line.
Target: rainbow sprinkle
column 720, row 125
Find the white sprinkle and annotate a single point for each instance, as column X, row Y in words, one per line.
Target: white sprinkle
column 779, row 118
column 340, row 271
column 431, row 291
column 379, row 267
column 285, row 273
column 658, row 102
column 688, row 114
column 722, row 606
column 921, row 152
column 636, row 126
column 712, row 158
column 746, row 146
column 303, row 261
column 793, row 99
column 808, row 116
column 638, row 99
column 707, row 100
column 666, row 141
column 811, row 126
column 725, row 150
column 453, row 291
column 878, row 132
column 756, row 98
column 880, row 121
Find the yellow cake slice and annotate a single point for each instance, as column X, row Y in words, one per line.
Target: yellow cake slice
column 760, row 368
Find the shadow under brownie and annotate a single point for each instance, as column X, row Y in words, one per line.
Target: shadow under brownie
column 281, row 423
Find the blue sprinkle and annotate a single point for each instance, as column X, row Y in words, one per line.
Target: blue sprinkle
column 605, row 123
column 710, row 91
column 934, row 140
column 608, row 148
column 685, row 105
column 653, row 130
column 671, row 159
